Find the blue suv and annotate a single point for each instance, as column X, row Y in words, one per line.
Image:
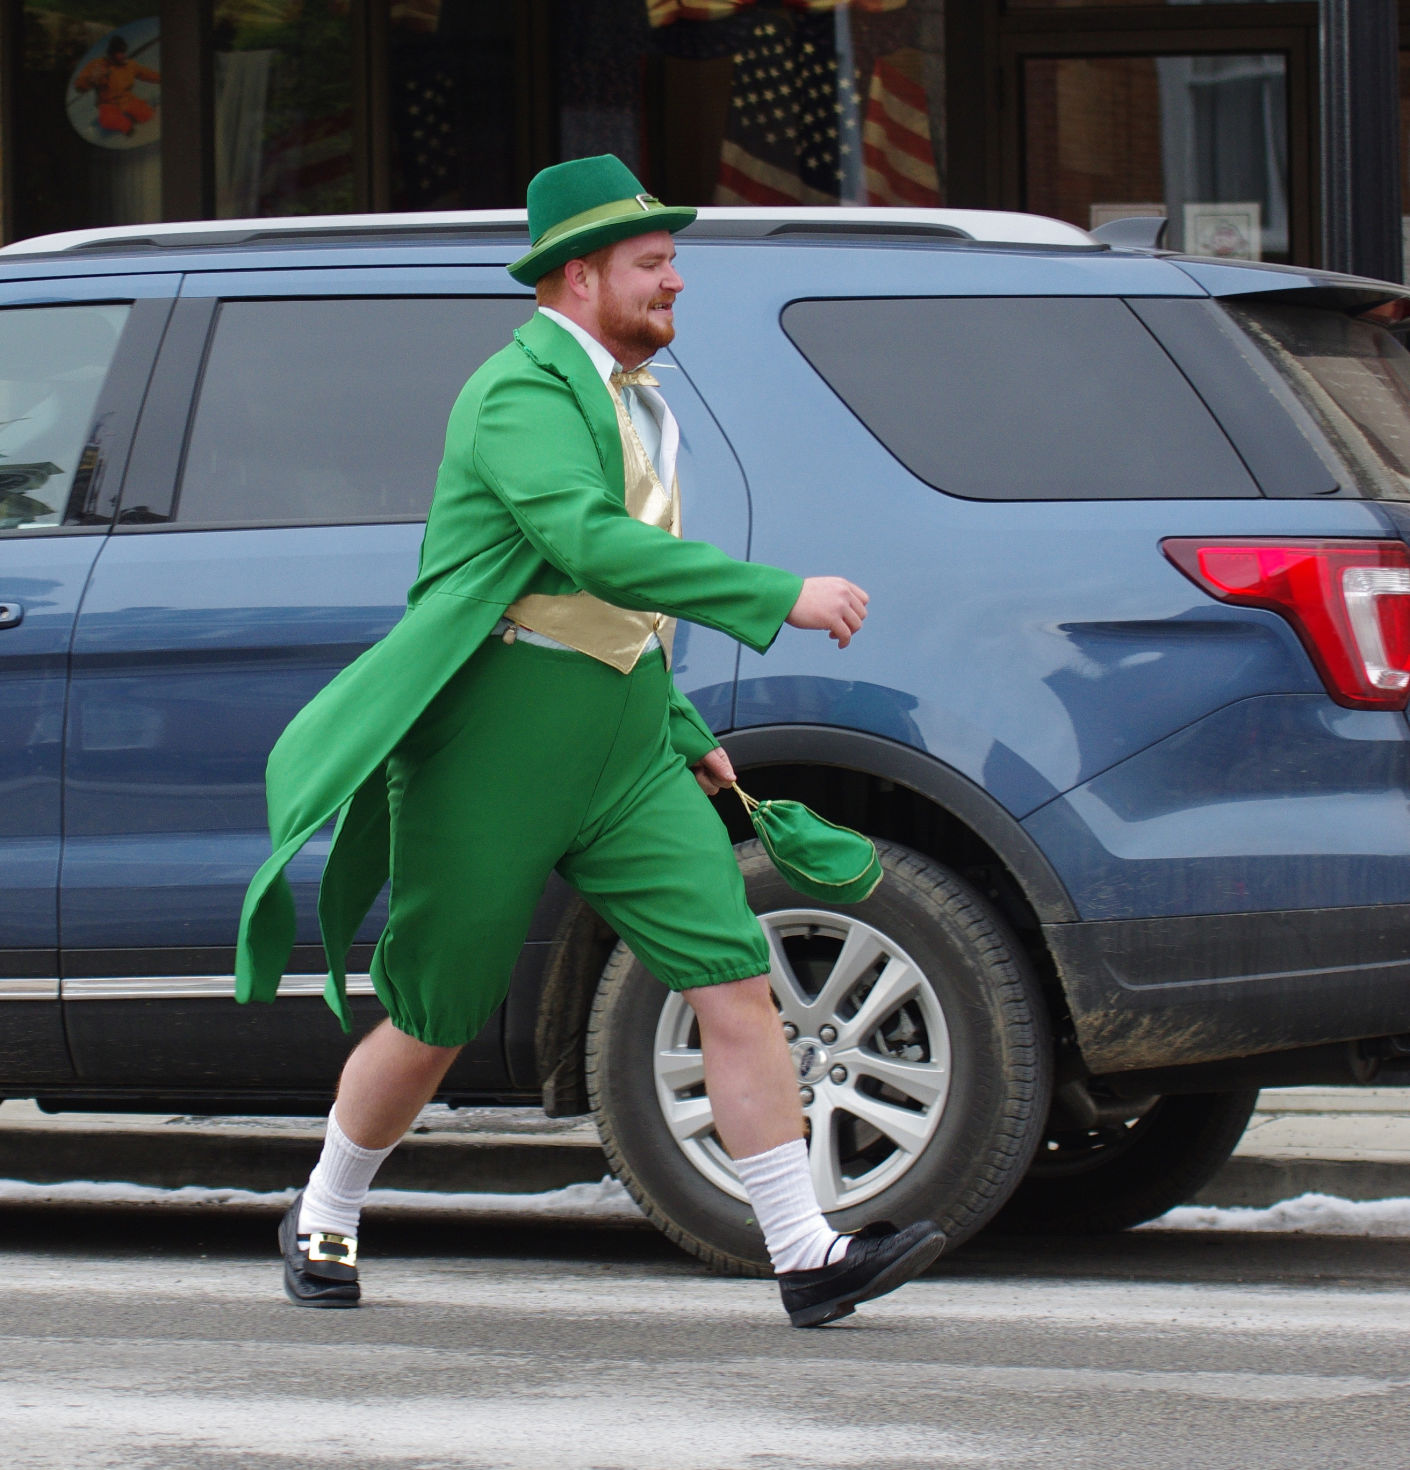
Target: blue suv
column 1128, row 719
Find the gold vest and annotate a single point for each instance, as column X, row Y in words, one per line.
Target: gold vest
column 613, row 635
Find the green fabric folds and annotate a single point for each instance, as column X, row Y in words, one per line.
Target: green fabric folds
column 529, row 498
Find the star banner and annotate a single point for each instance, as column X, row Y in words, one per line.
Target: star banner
column 801, row 129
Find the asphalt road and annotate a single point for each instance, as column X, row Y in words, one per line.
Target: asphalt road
column 159, row 1340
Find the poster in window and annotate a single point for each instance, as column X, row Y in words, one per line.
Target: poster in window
column 1227, row 231
column 114, row 94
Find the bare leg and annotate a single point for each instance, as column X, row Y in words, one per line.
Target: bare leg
column 748, row 1071
column 387, row 1080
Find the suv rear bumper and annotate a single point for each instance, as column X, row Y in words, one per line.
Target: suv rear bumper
column 1206, row 987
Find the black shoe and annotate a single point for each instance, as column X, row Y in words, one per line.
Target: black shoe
column 320, row 1270
column 880, row 1259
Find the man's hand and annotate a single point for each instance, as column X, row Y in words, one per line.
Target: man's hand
column 833, row 603
column 715, row 772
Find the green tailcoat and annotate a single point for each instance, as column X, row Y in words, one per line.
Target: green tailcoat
column 530, row 497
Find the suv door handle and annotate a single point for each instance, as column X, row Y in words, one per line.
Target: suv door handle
column 11, row 613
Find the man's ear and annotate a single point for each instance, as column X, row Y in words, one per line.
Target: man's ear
column 577, row 276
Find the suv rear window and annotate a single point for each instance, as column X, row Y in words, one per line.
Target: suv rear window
column 330, row 411
column 1353, row 376
column 53, row 360
column 1010, row 398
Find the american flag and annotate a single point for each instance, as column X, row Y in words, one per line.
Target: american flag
column 309, row 169
column 800, row 129
column 896, row 149
column 793, row 135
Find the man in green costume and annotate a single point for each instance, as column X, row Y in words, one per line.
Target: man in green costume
column 521, row 718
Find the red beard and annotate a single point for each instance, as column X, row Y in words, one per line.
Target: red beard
column 625, row 325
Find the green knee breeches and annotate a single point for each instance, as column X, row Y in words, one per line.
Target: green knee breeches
column 532, row 760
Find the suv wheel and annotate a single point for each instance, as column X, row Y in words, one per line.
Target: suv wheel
column 923, row 1054
column 1119, row 1174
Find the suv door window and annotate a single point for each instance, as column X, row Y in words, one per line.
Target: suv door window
column 331, row 411
column 53, row 361
column 1011, row 398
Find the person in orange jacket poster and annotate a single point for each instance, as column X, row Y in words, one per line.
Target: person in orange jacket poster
column 112, row 77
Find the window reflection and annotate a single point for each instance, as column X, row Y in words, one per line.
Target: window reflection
column 452, row 94
column 283, row 108
column 1353, row 375
column 87, row 115
column 1088, row 4
column 808, row 102
column 53, row 360
column 1201, row 139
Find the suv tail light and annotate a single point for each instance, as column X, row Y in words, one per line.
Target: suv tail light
column 1349, row 602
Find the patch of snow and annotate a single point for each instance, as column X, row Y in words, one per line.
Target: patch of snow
column 605, row 1202
column 1308, row 1214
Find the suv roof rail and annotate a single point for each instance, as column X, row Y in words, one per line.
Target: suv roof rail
column 980, row 225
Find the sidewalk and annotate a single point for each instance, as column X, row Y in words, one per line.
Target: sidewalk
column 1350, row 1142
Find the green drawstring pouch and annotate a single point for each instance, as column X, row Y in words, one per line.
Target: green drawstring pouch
column 815, row 856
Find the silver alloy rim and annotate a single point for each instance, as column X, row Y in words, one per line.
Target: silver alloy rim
column 869, row 1042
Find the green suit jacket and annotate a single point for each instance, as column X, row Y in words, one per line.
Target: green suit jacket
column 529, row 498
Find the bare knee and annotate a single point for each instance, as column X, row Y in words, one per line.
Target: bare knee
column 393, row 1053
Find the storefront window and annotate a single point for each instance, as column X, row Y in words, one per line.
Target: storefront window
column 1105, row 4
column 87, row 115
column 1199, row 139
column 452, row 96
column 734, row 102
column 283, row 108
column 814, row 102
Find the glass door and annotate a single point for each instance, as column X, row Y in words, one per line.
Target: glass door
column 1209, row 129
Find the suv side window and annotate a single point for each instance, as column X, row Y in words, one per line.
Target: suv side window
column 53, row 363
column 321, row 411
column 1009, row 398
column 1353, row 376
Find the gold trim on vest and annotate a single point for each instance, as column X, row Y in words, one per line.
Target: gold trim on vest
column 612, row 635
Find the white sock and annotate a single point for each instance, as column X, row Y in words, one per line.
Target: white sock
column 339, row 1183
column 780, row 1188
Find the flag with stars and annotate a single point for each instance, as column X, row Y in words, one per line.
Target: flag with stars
column 794, row 131
column 429, row 128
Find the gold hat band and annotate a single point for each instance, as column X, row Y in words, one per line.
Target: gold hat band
column 596, row 216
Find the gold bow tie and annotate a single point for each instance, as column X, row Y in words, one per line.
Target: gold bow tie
column 634, row 378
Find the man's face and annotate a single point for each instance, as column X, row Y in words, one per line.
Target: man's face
column 635, row 286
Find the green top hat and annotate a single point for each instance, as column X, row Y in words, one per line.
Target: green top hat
column 584, row 204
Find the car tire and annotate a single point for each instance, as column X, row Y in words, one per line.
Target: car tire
column 1109, row 1178
column 941, row 1037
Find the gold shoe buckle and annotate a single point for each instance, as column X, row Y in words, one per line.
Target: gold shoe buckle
column 341, row 1249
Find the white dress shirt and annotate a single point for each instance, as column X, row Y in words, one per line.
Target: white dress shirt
column 653, row 421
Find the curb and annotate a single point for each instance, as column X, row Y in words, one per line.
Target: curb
column 259, row 1161
column 1253, row 1182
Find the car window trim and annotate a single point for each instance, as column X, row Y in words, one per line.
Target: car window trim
column 159, row 444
